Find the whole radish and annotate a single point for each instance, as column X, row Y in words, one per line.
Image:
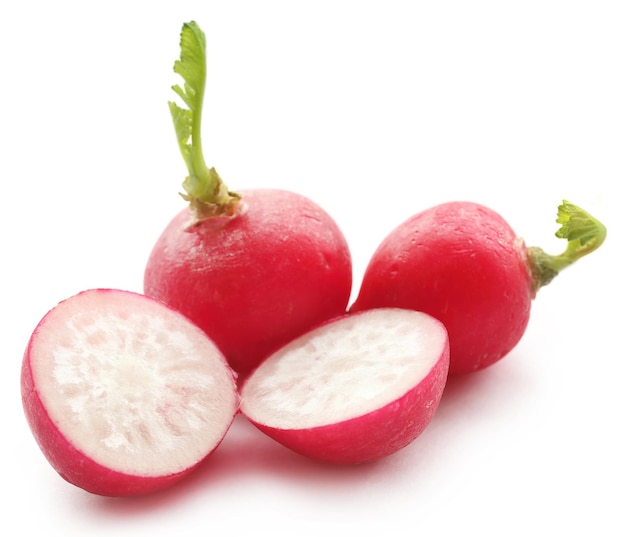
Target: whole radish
column 253, row 269
column 462, row 263
column 353, row 390
column 124, row 395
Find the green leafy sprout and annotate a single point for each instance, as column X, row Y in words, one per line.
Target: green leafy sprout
column 584, row 234
column 206, row 192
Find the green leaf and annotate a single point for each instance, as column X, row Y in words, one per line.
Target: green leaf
column 577, row 224
column 584, row 234
column 192, row 66
column 182, row 124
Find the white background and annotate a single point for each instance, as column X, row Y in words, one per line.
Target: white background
column 376, row 110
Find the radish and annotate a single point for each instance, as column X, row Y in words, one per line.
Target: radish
column 353, row 390
column 124, row 395
column 253, row 269
column 462, row 263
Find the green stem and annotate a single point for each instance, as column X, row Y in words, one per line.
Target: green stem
column 584, row 234
column 205, row 190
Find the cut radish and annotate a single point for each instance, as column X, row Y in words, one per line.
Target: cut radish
column 124, row 395
column 353, row 390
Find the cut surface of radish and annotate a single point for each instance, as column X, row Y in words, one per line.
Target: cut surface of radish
column 129, row 385
column 331, row 392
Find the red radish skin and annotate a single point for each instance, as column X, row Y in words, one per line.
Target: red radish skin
column 124, row 396
column 462, row 263
column 256, row 280
column 355, row 389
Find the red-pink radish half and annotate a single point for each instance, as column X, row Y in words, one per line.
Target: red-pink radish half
column 253, row 269
column 462, row 263
column 354, row 389
column 124, row 395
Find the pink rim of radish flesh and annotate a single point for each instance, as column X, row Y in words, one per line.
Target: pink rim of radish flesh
column 124, row 395
column 353, row 390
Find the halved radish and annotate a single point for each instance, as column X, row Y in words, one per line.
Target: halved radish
column 353, row 390
column 124, row 395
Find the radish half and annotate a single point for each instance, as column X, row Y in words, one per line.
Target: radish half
column 124, row 395
column 353, row 390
